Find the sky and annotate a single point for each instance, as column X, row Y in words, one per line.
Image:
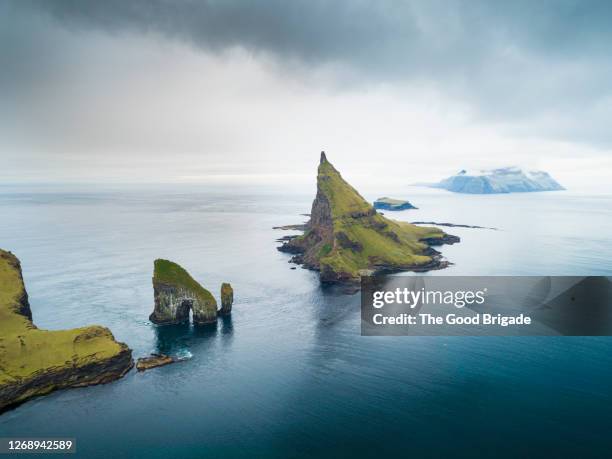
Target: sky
column 237, row 92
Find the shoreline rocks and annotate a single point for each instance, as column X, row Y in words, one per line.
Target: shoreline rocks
column 154, row 361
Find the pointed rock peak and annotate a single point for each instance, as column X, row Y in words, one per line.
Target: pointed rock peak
column 338, row 193
column 323, row 158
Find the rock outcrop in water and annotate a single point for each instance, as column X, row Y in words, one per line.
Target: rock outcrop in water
column 34, row 361
column 227, row 299
column 392, row 204
column 503, row 180
column 176, row 293
column 154, row 361
column 346, row 237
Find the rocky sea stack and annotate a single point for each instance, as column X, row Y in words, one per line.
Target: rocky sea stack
column 227, row 299
column 154, row 361
column 35, row 362
column 346, row 238
column 176, row 293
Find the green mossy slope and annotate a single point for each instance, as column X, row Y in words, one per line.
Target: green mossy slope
column 346, row 237
column 168, row 272
column 176, row 293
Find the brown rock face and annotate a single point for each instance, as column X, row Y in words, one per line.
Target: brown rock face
column 153, row 361
column 227, row 299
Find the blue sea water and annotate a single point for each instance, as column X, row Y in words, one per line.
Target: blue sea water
column 288, row 375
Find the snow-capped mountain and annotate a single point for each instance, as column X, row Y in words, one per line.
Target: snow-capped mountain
column 502, row 180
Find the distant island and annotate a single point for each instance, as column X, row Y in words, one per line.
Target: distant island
column 34, row 361
column 392, row 204
column 503, row 180
column 346, row 238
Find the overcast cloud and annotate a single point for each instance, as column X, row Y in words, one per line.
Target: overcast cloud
column 215, row 90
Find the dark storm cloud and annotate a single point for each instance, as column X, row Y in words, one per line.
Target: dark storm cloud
column 383, row 37
column 485, row 49
column 506, row 59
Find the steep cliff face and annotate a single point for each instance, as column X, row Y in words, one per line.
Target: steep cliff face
column 35, row 362
column 346, row 237
column 176, row 293
column 227, row 299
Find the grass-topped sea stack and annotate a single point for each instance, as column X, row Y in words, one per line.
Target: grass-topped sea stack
column 34, row 361
column 346, row 237
column 176, row 293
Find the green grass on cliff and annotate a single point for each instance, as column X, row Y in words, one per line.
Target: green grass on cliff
column 168, row 272
column 343, row 198
column 26, row 350
column 383, row 241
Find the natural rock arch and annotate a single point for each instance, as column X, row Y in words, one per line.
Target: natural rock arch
column 176, row 293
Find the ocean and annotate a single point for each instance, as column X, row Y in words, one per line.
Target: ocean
column 288, row 375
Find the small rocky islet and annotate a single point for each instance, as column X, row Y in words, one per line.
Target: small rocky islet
column 154, row 361
column 392, row 204
column 346, row 237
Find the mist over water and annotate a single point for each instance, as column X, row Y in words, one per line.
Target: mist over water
column 288, row 374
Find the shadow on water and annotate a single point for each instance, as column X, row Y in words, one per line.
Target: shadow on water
column 226, row 329
column 177, row 339
column 334, row 304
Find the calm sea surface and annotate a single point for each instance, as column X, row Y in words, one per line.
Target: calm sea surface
column 289, row 374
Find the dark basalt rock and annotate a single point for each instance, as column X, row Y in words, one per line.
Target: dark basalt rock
column 347, row 243
column 154, row 361
column 446, row 239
